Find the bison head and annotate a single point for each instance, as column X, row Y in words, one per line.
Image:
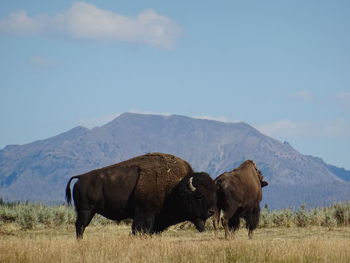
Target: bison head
column 198, row 198
column 259, row 173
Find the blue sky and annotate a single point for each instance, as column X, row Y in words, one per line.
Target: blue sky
column 281, row 66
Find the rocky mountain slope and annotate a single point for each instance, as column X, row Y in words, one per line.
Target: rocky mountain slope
column 39, row 171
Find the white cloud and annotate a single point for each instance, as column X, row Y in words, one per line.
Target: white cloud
column 284, row 129
column 337, row 128
column 343, row 98
column 203, row 117
column 212, row 118
column 149, row 112
column 88, row 22
column 42, row 62
column 302, row 95
column 19, row 23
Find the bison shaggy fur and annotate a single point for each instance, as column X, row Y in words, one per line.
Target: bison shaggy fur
column 239, row 193
column 156, row 190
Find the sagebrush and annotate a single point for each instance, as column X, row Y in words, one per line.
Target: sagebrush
column 32, row 216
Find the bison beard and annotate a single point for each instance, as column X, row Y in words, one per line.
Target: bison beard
column 184, row 203
column 191, row 200
column 155, row 190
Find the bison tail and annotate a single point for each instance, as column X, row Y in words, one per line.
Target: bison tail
column 68, row 193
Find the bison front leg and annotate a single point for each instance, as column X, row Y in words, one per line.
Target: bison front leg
column 227, row 215
column 143, row 222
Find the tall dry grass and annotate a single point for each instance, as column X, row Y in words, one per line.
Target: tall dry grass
column 38, row 233
column 113, row 243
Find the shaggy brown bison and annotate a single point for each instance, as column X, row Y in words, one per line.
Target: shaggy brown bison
column 238, row 196
column 156, row 190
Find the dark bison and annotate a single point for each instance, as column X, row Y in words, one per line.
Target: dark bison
column 238, row 196
column 156, row 190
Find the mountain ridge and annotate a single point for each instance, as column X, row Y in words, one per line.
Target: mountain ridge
column 39, row 170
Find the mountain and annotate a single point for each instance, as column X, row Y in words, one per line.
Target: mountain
column 340, row 172
column 40, row 170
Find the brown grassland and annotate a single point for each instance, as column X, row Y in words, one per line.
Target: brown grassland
column 113, row 243
column 37, row 233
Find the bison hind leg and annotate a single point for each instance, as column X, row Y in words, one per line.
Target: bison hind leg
column 252, row 220
column 83, row 220
column 231, row 209
column 216, row 220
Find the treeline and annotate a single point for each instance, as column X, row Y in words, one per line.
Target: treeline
column 35, row 216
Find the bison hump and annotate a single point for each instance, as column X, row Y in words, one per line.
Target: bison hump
column 159, row 174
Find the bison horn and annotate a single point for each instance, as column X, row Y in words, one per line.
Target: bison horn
column 190, row 185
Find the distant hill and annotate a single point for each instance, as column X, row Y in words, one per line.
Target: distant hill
column 340, row 172
column 39, row 171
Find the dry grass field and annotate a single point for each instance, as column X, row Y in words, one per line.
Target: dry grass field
column 113, row 243
column 39, row 233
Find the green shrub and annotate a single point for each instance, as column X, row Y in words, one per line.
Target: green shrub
column 302, row 217
column 342, row 214
column 31, row 216
column 27, row 219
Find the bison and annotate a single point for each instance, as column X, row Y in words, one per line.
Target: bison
column 156, row 190
column 238, row 195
